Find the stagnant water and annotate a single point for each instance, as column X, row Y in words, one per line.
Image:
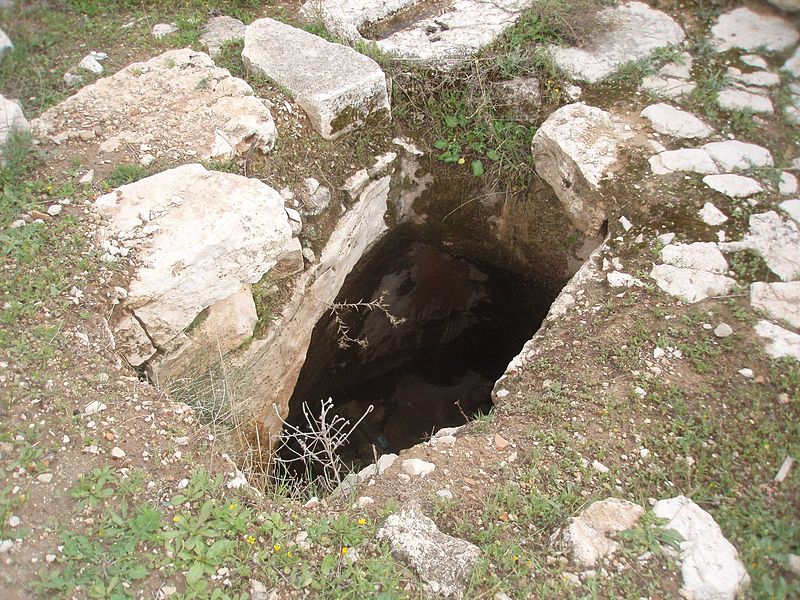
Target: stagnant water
column 461, row 324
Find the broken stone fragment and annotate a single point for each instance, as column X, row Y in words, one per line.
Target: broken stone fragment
column 780, row 342
column 12, row 120
column 417, row 467
column 732, row 185
column 162, row 30
column 779, row 300
column 588, row 536
column 444, row 563
column 710, row 565
column 575, row 150
column 337, row 87
column 691, row 285
column 674, row 122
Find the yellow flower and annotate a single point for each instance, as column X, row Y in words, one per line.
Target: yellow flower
column 362, row 521
column 344, row 549
column 516, row 558
column 289, row 554
column 101, row 532
column 277, row 547
column 250, row 539
column 176, row 519
column 232, row 507
column 462, row 160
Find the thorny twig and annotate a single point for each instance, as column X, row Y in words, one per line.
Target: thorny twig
column 337, row 309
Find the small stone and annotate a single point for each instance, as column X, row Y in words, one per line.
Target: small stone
column 784, row 470
column 626, row 224
column 89, row 63
column 668, row 120
column 50, row 557
column 417, row 467
column 54, row 210
column 787, row 184
column 162, row 30
column 45, row 478
column 87, row 177
column 117, row 452
column 711, row 215
column 72, row 79
column 793, row 562
column 748, row 373
column 183, row 484
column 754, row 60
column 723, row 330
column 364, row 501
column 500, row 442
column 6, row 546
column 146, row 160
column 599, row 467
column 445, row 494
column 94, row 407
column 14, row 521
column 734, row 186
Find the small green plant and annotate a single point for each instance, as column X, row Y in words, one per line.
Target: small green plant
column 126, row 173
column 95, row 487
column 649, row 535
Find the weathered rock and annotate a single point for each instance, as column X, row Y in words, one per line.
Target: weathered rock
column 444, row 563
column 5, row 43
column 779, row 300
column 177, row 105
column 754, row 60
column 704, row 256
column 673, row 79
column 574, row 150
column 751, row 31
column 693, row 160
column 791, row 208
column 711, row 215
column 162, row 30
column 91, row 64
column 691, row 285
column 11, row 120
column 723, row 330
column 628, row 32
column 741, row 99
column 792, row 64
column 787, row 184
column 787, row 5
column 313, row 197
column 618, row 279
column 776, row 240
column 417, row 467
column 197, row 236
column 446, row 37
column 337, row 87
column 520, row 98
column 222, row 327
column 734, row 186
column 587, row 535
column 674, row 122
column 219, row 30
column 710, row 568
column 757, row 79
column 781, row 342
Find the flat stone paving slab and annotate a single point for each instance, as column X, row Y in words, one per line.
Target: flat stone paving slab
column 336, row 86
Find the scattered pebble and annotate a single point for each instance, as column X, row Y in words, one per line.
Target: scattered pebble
column 784, row 470
column 445, row 494
column 723, row 330
column 6, row 546
column 500, row 442
column 14, row 521
column 94, row 407
column 117, row 452
column 599, row 467
column 746, row 373
column 45, row 477
column 364, row 501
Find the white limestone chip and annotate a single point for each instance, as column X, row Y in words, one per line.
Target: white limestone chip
column 693, row 160
column 674, row 122
column 734, row 186
column 733, row 155
column 791, row 208
column 691, row 285
column 743, row 100
column 711, row 215
column 788, row 184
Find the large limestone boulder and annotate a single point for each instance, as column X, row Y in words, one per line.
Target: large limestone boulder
column 444, row 563
column 196, row 239
column 710, row 564
column 752, row 31
column 628, row 32
column 11, row 120
column 443, row 37
column 336, row 86
column 177, row 107
column 575, row 150
column 589, row 535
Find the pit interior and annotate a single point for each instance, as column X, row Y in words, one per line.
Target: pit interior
column 461, row 320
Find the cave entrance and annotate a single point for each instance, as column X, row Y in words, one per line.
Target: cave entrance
column 453, row 325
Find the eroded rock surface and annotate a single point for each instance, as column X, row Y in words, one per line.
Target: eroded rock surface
column 625, row 33
column 11, row 120
column 196, row 238
column 674, row 122
column 779, row 300
column 336, row 86
column 574, row 150
column 444, row 563
column 177, row 107
column 588, row 535
column 219, row 30
column 748, row 30
column 776, row 240
column 710, row 565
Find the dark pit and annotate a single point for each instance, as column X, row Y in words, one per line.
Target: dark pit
column 461, row 322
